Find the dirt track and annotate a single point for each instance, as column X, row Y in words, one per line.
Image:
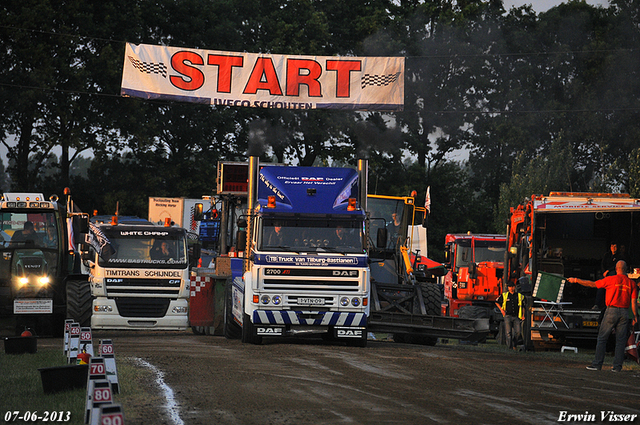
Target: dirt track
column 218, row 381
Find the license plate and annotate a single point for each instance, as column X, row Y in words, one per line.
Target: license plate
column 589, row 324
column 311, row 301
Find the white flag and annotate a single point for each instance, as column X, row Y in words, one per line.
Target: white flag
column 427, row 200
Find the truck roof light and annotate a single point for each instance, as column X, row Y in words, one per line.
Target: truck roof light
column 271, row 201
column 352, row 204
column 167, row 222
column 114, row 220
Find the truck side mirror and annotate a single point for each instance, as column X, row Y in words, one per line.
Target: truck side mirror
column 241, row 240
column 381, row 237
column 198, row 213
column 81, row 223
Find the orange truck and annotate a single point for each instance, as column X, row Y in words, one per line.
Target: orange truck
column 475, row 267
column 562, row 235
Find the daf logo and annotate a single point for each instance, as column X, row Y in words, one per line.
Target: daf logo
column 111, row 280
column 349, row 333
column 268, row 331
column 348, row 273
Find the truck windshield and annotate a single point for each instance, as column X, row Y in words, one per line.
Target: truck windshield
column 29, row 230
column 122, row 246
column 312, row 235
column 492, row 251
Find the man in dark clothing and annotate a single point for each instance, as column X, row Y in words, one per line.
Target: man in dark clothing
column 512, row 305
column 608, row 268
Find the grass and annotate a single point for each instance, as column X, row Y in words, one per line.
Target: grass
column 21, row 387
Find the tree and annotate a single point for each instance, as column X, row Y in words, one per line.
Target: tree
column 538, row 176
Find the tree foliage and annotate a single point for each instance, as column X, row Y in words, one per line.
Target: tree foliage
column 539, row 102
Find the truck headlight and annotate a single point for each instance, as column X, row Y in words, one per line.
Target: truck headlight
column 102, row 309
column 265, row 299
column 44, row 280
column 179, row 310
column 277, row 299
column 23, row 281
column 344, row 301
column 355, row 302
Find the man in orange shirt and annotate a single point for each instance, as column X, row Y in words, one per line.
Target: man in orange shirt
column 621, row 292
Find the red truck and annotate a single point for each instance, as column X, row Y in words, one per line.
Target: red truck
column 475, row 266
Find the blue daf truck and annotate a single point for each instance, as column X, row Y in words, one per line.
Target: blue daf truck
column 306, row 268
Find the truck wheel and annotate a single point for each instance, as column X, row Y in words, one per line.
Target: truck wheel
column 247, row 331
column 231, row 329
column 79, row 302
column 197, row 330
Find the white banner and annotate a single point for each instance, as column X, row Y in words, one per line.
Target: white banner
column 262, row 80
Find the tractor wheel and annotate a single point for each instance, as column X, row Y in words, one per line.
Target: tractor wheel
column 431, row 298
column 231, row 329
column 79, row 301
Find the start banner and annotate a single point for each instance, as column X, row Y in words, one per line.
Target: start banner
column 263, row 80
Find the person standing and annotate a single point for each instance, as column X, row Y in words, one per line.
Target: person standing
column 512, row 305
column 621, row 292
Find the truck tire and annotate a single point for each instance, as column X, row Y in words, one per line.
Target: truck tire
column 231, row 329
column 79, row 301
column 247, row 331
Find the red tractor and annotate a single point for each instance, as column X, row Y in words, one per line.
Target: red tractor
column 475, row 266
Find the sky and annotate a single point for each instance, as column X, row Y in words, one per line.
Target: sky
column 544, row 5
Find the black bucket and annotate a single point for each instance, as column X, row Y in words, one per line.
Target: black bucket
column 64, row 378
column 20, row 344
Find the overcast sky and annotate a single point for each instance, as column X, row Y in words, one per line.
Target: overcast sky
column 544, row 5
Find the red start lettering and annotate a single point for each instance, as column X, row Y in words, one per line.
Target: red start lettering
column 192, row 78
column 299, row 72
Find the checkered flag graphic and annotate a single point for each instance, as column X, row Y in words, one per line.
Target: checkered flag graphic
column 149, row 67
column 378, row 80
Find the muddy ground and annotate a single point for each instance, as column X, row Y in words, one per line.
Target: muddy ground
column 219, row 381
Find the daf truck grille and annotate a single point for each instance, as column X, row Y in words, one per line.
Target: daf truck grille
column 314, row 285
column 142, row 307
column 169, row 288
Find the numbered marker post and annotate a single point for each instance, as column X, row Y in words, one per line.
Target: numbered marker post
column 111, row 414
column 67, row 327
column 74, row 343
column 106, row 351
column 97, row 372
column 86, row 341
column 101, row 395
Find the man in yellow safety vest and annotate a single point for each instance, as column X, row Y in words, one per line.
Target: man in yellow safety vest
column 512, row 304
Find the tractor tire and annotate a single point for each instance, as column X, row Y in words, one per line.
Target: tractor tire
column 79, row 302
column 474, row 312
column 431, row 298
column 230, row 328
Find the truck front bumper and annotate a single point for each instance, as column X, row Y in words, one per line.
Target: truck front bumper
column 106, row 316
